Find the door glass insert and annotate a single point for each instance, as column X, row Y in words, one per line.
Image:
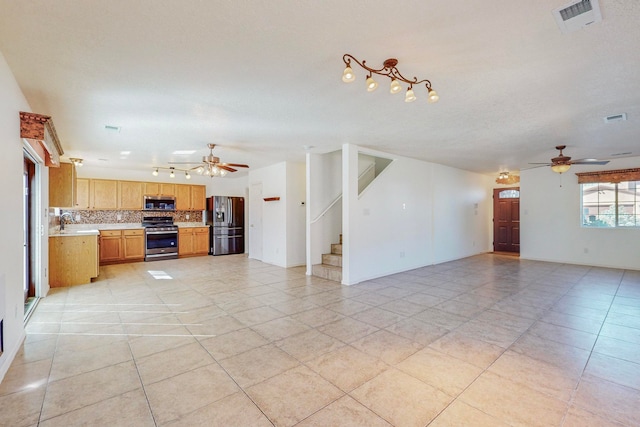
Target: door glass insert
column 509, row 194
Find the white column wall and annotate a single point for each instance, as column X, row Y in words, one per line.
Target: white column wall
column 12, row 102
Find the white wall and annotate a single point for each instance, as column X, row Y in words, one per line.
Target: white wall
column 414, row 214
column 462, row 213
column 550, row 215
column 296, row 224
column 12, row 102
column 278, row 216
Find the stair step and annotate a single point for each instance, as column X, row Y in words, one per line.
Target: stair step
column 332, row 259
column 336, row 248
column 329, row 272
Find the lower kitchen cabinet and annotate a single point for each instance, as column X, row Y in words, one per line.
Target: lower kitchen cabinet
column 73, row 260
column 121, row 246
column 193, row 241
column 133, row 244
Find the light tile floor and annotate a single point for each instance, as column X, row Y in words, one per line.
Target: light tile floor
column 225, row 341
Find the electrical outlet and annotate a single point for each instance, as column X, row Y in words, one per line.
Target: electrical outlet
column 77, row 217
column 119, row 217
column 187, row 216
column 401, row 254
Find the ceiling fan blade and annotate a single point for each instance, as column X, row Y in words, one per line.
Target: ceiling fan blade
column 544, row 164
column 539, row 165
column 235, row 165
column 183, row 163
column 227, row 168
column 590, row 162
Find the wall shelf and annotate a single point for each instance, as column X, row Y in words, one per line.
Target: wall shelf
column 271, row 199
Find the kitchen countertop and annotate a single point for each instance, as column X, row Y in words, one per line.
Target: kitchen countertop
column 94, row 229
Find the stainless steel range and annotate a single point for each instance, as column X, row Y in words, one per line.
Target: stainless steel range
column 160, row 237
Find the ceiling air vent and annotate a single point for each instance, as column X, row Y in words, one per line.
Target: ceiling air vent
column 577, row 15
column 616, row 118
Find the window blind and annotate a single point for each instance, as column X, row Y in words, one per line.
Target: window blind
column 614, row 176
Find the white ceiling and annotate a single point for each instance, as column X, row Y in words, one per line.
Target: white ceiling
column 263, row 79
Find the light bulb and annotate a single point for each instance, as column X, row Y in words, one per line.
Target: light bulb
column 155, row 172
column 215, row 171
column 223, row 172
column 433, row 96
column 371, row 84
column 172, row 174
column 347, row 75
column 395, row 86
column 561, row 168
column 410, row 96
column 200, row 170
column 186, row 175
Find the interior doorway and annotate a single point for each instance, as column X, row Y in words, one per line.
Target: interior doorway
column 29, row 232
column 506, row 220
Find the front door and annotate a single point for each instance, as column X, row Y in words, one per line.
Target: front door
column 506, row 220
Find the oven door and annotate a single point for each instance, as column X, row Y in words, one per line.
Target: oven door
column 161, row 244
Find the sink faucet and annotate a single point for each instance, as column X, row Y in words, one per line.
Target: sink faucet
column 62, row 215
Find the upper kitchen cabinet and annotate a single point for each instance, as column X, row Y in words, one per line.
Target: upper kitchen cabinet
column 198, row 197
column 62, row 186
column 159, row 189
column 190, row 197
column 103, row 194
column 130, row 195
column 82, row 193
column 183, row 197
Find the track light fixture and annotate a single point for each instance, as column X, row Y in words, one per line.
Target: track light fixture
column 388, row 70
column 172, row 171
column 75, row 161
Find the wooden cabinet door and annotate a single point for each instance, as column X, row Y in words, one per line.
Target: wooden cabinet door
column 185, row 241
column 130, row 195
column 110, row 245
column 133, row 244
column 198, row 197
column 167, row 189
column 183, row 197
column 82, row 193
column 104, row 194
column 62, row 186
column 201, row 240
column 151, row 188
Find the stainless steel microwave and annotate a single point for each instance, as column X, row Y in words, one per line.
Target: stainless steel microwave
column 159, row 203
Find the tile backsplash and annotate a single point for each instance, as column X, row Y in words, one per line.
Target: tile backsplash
column 115, row 217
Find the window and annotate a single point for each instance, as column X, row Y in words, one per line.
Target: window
column 611, row 204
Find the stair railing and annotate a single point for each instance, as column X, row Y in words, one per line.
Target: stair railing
column 337, row 199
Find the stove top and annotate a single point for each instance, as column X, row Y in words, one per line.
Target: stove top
column 158, row 222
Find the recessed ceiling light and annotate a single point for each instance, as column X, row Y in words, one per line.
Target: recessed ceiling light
column 112, row 128
column 184, row 152
column 125, row 153
column 104, row 160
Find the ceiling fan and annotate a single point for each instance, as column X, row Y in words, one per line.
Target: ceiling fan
column 212, row 166
column 562, row 163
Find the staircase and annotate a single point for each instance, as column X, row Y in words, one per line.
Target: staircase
column 331, row 267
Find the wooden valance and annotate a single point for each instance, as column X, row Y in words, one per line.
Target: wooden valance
column 39, row 129
column 614, row 176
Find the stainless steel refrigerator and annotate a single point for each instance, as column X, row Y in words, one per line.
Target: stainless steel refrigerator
column 225, row 215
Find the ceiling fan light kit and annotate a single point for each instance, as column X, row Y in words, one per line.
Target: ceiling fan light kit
column 388, row 70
